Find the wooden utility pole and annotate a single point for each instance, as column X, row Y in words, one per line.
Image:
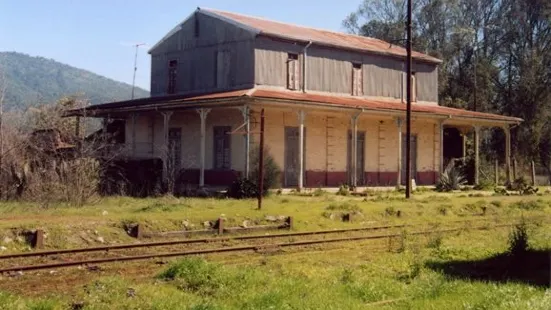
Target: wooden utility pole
column 408, row 101
column 261, row 161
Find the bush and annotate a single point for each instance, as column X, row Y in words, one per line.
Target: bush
column 271, row 170
column 518, row 239
column 194, row 274
column 242, row 189
column 344, row 190
column 521, row 185
column 451, row 179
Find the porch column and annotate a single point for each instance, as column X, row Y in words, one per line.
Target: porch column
column 476, row 155
column 245, row 111
column 354, row 150
column 464, row 143
column 133, row 132
column 203, row 115
column 166, row 123
column 301, row 115
column 441, row 146
column 507, row 132
column 399, row 125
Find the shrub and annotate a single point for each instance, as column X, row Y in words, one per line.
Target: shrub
column 521, row 185
column 518, row 239
column 194, row 274
column 271, row 170
column 344, row 190
column 451, row 179
column 346, row 206
column 242, row 189
column 528, row 205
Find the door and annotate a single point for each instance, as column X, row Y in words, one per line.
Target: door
column 413, row 158
column 360, row 160
column 174, row 150
column 291, row 170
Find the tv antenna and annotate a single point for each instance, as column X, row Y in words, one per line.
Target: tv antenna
column 137, row 45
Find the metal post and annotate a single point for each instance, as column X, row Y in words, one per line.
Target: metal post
column 399, row 124
column 301, row 150
column 514, row 168
column 245, row 111
column 203, row 115
column 135, row 67
column 261, row 161
column 476, row 155
column 507, row 131
column 166, row 123
column 354, row 150
column 496, row 171
column 408, row 100
column 533, row 166
column 441, row 145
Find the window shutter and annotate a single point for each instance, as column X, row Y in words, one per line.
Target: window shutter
column 404, row 87
column 297, row 74
column 357, row 85
column 413, row 88
column 293, row 72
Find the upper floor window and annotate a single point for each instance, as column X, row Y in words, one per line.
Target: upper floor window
column 222, row 147
column 292, row 71
column 357, row 80
column 172, row 73
column 413, row 87
column 223, row 69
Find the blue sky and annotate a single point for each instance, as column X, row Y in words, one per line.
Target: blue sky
column 97, row 35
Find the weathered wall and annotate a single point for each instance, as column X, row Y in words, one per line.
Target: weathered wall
column 197, row 57
column 325, row 149
column 330, row 70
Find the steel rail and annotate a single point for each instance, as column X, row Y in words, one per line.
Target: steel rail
column 191, row 241
column 225, row 249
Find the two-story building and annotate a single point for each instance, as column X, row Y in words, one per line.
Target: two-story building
column 334, row 105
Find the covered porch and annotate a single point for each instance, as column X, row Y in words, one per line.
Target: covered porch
column 316, row 140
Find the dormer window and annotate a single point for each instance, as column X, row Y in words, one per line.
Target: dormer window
column 292, row 71
column 357, row 80
column 172, row 73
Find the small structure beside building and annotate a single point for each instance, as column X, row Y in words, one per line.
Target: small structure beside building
column 334, row 105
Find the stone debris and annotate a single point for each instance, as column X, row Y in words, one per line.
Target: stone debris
column 104, row 213
column 100, row 239
column 3, row 248
column 270, row 218
column 245, row 224
column 207, row 224
column 7, row 240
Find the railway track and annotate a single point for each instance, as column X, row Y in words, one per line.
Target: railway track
column 61, row 260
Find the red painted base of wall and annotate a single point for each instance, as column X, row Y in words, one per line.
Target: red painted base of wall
column 312, row 178
column 212, row 177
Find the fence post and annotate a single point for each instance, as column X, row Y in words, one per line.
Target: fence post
column 533, row 173
column 496, row 171
column 38, row 242
column 289, row 222
column 514, row 169
column 220, row 226
column 137, row 231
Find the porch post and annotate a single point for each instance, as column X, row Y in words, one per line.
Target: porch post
column 133, row 132
column 507, row 131
column 476, row 155
column 464, row 143
column 301, row 150
column 203, row 115
column 441, row 146
column 166, row 123
column 399, row 125
column 354, row 150
column 245, row 111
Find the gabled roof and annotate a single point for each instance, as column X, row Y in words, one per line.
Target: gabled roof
column 302, row 34
column 337, row 101
column 317, row 36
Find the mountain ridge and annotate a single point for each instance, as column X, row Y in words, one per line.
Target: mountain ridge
column 32, row 80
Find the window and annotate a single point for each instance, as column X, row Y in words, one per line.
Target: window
column 413, row 87
column 222, row 147
column 292, row 71
column 222, row 69
column 357, row 80
column 172, row 73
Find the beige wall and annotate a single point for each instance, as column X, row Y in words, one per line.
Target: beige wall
column 326, row 138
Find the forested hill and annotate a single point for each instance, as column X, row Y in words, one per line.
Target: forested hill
column 32, row 80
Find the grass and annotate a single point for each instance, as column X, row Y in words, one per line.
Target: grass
column 411, row 271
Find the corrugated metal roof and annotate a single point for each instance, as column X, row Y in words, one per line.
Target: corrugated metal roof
column 366, row 103
column 294, row 96
column 322, row 37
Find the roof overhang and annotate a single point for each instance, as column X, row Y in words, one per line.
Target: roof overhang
column 291, row 99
